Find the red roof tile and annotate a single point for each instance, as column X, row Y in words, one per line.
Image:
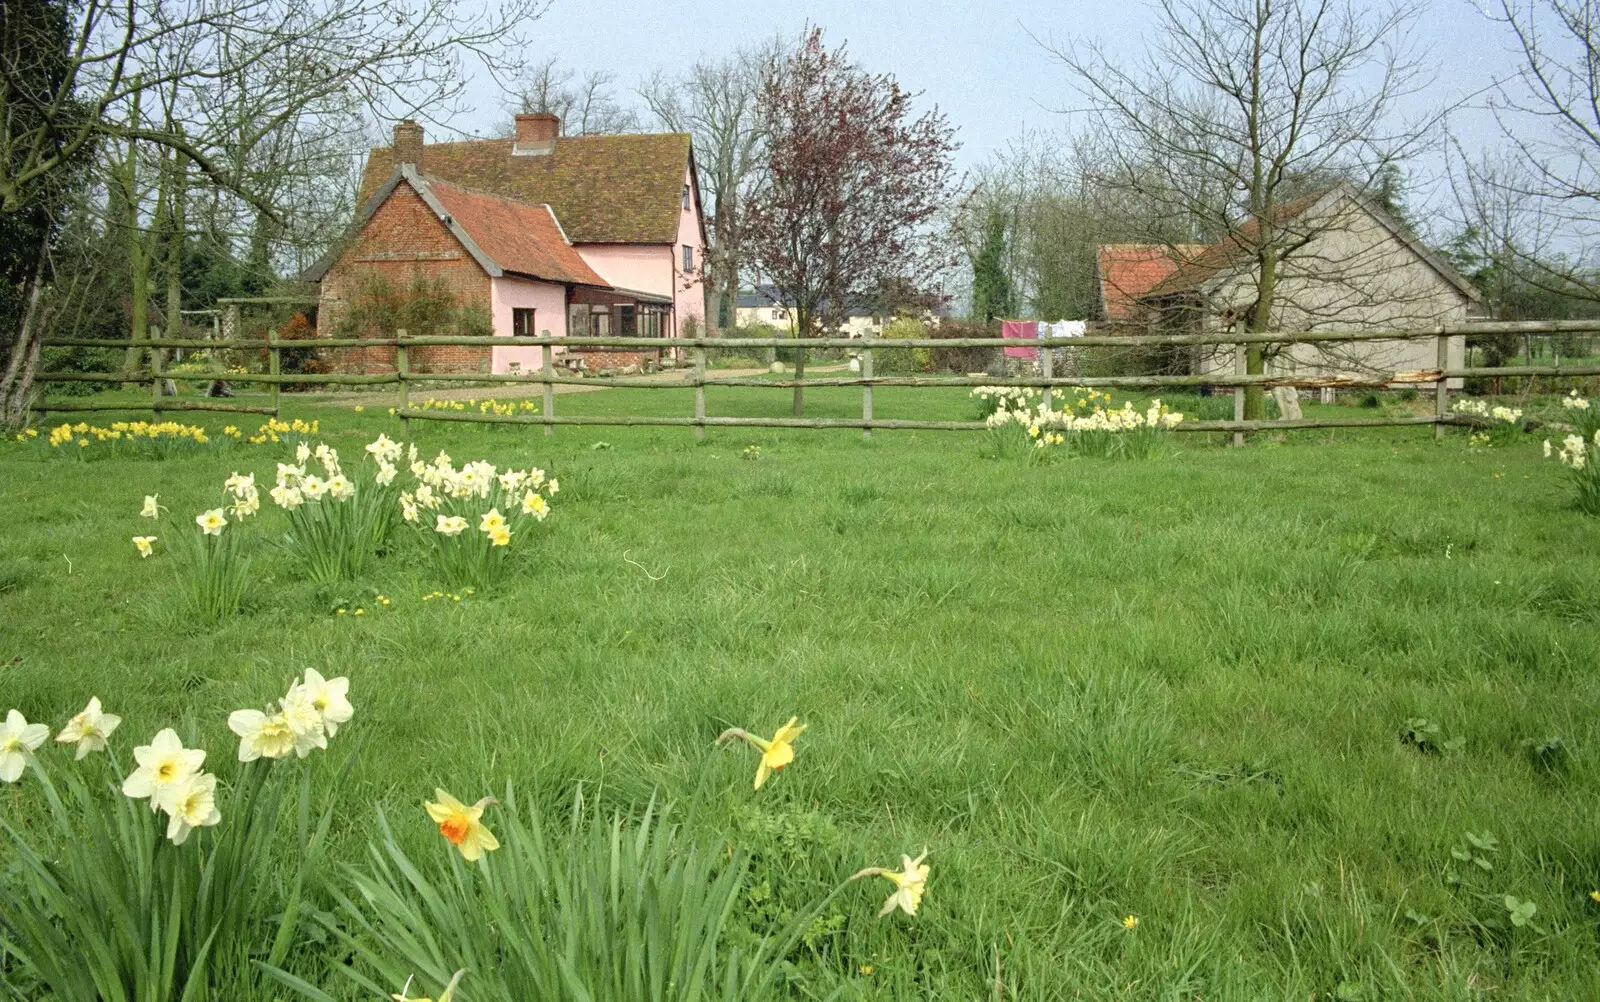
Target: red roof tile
column 519, row 237
column 1129, row 271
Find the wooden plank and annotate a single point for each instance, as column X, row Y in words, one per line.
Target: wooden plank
column 700, row 394
column 1239, row 365
column 547, row 363
column 866, row 389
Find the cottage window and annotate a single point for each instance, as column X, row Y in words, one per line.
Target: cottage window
column 627, row 321
column 685, row 198
column 522, row 324
column 777, row 314
column 688, row 259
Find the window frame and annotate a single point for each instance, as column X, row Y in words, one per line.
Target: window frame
column 532, row 315
column 688, row 259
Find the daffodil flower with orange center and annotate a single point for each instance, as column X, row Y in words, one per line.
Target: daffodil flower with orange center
column 910, row 881
column 461, row 825
column 775, row 754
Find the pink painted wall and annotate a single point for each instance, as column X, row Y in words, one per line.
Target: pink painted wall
column 658, row 268
column 550, row 302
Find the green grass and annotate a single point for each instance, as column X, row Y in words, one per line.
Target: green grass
column 1169, row 689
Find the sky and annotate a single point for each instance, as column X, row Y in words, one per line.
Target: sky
column 979, row 62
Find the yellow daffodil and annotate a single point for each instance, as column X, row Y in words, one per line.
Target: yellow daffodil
column 142, row 544
column 910, row 881
column 211, row 522
column 193, row 805
column 775, row 754
column 1130, row 922
column 460, row 824
column 165, row 765
column 500, row 536
column 260, row 735
column 89, row 729
column 17, row 737
column 534, row 504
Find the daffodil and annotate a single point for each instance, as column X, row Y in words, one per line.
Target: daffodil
column 331, row 696
column 89, row 729
column 152, row 507
column 142, row 544
column 775, row 754
column 491, row 520
column 535, row 505
column 17, row 738
column 313, row 487
column 211, row 522
column 450, row 525
column 193, row 805
column 260, row 735
column 500, row 536
column 300, row 710
column 460, row 824
column 910, row 881
column 164, row 766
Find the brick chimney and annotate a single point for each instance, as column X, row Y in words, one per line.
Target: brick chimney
column 536, row 134
column 408, row 143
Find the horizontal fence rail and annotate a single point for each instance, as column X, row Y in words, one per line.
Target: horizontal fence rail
column 156, row 374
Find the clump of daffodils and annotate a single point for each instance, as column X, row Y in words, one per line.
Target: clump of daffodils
column 1093, row 427
column 1499, row 413
column 990, row 399
column 1578, row 412
column 304, row 719
column 170, row 777
column 1581, row 458
column 1573, row 402
column 474, row 512
column 488, row 405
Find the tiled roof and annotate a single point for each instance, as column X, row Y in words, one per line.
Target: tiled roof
column 1230, row 250
column 520, row 238
column 1129, row 271
column 604, row 189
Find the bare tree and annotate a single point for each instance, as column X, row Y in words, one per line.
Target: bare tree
column 1534, row 203
column 292, row 60
column 715, row 103
column 849, row 185
column 587, row 105
column 1244, row 107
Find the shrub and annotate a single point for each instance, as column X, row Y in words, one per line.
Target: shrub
column 961, row 360
column 901, row 361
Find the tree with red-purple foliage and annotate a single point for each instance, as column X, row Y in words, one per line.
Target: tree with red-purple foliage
column 852, row 179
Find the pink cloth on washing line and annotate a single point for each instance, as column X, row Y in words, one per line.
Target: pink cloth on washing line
column 1026, row 330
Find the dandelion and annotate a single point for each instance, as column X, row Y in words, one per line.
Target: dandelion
column 89, row 729
column 450, row 525
column 460, row 824
column 211, row 522
column 17, row 738
column 1130, row 922
column 194, row 805
column 142, row 544
column 152, row 507
column 910, row 881
column 260, row 735
column 164, row 766
column 775, row 754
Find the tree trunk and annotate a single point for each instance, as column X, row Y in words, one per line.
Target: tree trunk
column 16, row 383
column 1255, row 406
column 173, row 328
column 802, row 320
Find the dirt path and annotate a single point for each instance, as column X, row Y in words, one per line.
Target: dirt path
column 517, row 391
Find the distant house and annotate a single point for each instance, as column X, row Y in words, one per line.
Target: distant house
column 765, row 305
column 1350, row 266
column 548, row 235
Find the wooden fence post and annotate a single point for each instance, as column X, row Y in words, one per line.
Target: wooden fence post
column 154, row 333
column 275, row 367
column 547, row 357
column 866, row 388
column 402, row 369
column 1047, row 366
column 700, row 394
column 1441, row 389
column 1238, row 393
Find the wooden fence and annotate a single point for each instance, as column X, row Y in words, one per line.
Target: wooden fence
column 697, row 377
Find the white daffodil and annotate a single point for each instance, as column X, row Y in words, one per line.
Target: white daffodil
column 331, row 699
column 142, row 544
column 491, row 521
column 17, row 738
column 313, row 487
column 192, row 805
column 450, row 525
column 302, row 452
column 340, row 487
column 89, row 729
column 211, row 522
column 164, row 766
column 152, row 507
column 260, row 735
column 240, row 484
column 385, row 474
column 384, row 449
column 910, row 882
column 535, row 505
column 304, row 719
column 555, row 487
column 286, row 497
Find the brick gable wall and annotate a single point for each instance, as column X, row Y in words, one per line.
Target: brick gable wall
column 402, row 238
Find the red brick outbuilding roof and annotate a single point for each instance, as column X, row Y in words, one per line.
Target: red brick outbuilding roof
column 522, row 239
column 1128, row 272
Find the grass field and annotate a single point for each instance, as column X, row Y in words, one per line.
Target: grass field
column 1170, row 689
